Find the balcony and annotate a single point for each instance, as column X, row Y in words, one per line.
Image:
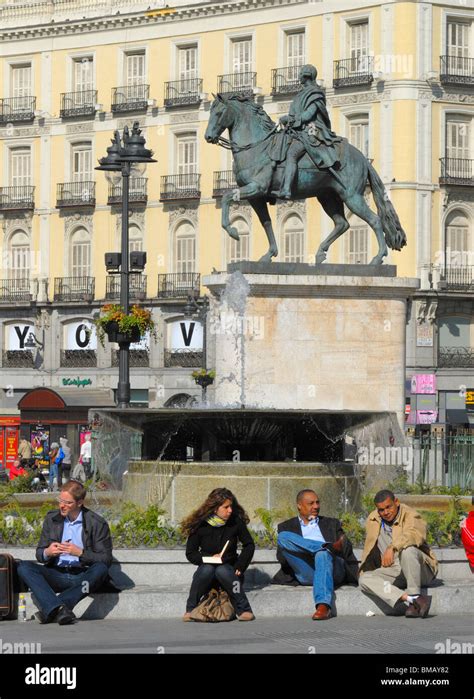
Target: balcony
column 178, row 285
column 352, row 72
column 76, row 104
column 137, row 191
column 137, row 358
column 15, row 109
column 15, row 290
column 137, row 287
column 17, row 198
column 71, row 194
column 183, row 93
column 457, row 278
column 176, row 187
column 183, row 358
column 74, row 289
column 285, row 81
column 224, row 180
column 78, row 358
column 130, row 98
column 456, row 70
column 17, row 359
column 243, row 83
column 457, row 171
column 456, row 357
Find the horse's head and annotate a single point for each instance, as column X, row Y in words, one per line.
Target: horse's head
column 220, row 118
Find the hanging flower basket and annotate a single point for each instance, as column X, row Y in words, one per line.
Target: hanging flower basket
column 204, row 377
column 122, row 327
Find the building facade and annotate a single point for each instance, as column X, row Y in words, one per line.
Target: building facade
column 398, row 77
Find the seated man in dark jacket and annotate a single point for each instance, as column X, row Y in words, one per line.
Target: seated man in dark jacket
column 313, row 550
column 75, row 550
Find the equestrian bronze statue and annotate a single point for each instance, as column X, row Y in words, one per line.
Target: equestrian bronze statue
column 299, row 158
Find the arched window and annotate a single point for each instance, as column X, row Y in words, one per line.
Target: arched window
column 459, row 248
column 185, row 247
column 19, row 263
column 293, row 239
column 80, row 258
column 135, row 238
column 359, row 132
column 238, row 249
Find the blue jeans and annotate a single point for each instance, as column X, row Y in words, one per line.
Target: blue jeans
column 326, row 571
column 53, row 473
column 45, row 581
column 208, row 574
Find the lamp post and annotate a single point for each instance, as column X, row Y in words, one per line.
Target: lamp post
column 125, row 157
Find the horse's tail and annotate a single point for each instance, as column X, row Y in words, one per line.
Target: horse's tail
column 395, row 236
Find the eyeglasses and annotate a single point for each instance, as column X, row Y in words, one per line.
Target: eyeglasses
column 66, row 502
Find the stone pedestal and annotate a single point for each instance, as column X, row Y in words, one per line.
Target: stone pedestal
column 322, row 337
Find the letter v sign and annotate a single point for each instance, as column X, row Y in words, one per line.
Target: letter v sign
column 187, row 335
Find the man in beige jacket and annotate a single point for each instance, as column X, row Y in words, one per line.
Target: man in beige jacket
column 397, row 561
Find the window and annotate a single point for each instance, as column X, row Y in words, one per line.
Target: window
column 82, row 162
column 21, row 82
column 134, row 69
column 241, row 55
column 83, row 75
column 19, row 256
column 293, row 239
column 359, row 133
column 187, row 63
column 458, row 243
column 458, row 137
column 458, row 39
column 238, row 249
column 20, row 167
column 359, row 46
column 186, row 153
column 80, row 253
column 295, row 52
column 357, row 245
column 185, row 247
column 454, row 331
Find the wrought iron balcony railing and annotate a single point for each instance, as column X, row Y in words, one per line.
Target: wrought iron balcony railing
column 137, row 358
column 457, row 278
column 74, row 289
column 183, row 358
column 17, row 198
column 14, row 109
column 137, row 191
column 75, row 194
column 285, row 81
column 175, row 187
column 223, row 181
column 456, row 357
column 456, row 70
column 130, row 98
column 178, row 285
column 137, row 287
column 78, row 358
column 353, row 71
column 180, row 93
column 18, row 359
column 14, row 290
column 458, row 171
column 78, row 103
column 237, row 82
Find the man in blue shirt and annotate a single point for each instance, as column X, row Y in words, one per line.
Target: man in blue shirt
column 313, row 550
column 75, row 549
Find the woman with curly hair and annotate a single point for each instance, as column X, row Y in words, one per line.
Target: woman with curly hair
column 216, row 526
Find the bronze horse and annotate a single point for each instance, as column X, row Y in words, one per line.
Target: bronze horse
column 252, row 135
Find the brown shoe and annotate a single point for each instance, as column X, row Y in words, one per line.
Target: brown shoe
column 419, row 608
column 187, row 617
column 337, row 546
column 323, row 611
column 246, row 616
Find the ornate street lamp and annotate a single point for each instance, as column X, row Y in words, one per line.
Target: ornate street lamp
column 125, row 157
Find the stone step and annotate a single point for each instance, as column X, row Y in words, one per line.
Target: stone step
column 147, row 602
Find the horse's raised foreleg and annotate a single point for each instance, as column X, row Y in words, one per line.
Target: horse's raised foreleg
column 334, row 208
column 234, row 195
column 261, row 209
column 358, row 206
